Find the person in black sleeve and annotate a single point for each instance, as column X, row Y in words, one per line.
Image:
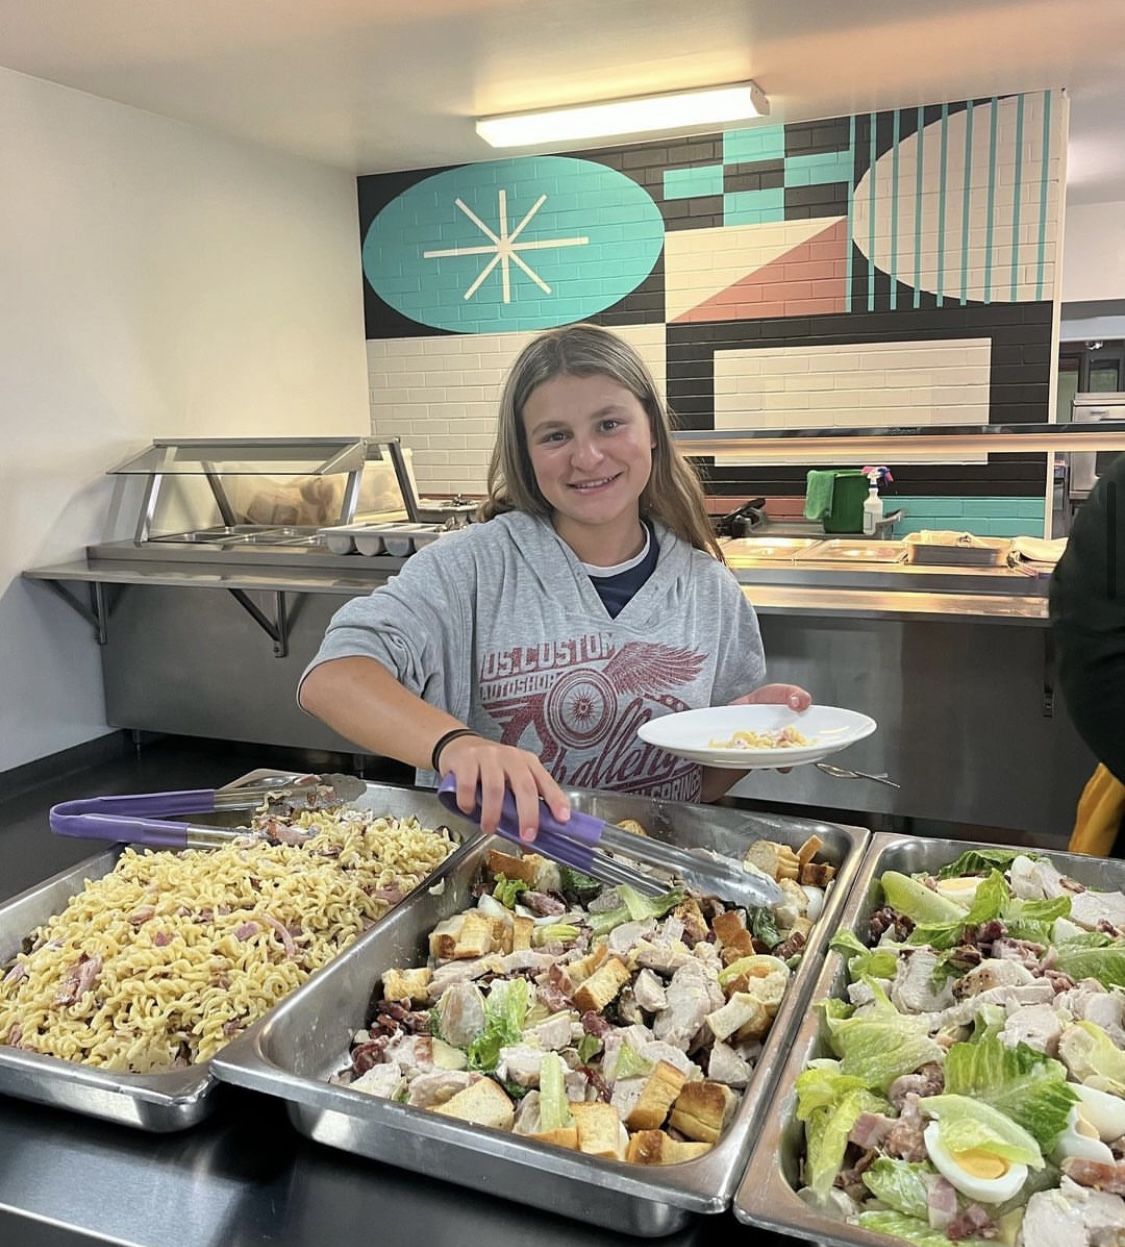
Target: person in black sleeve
column 1087, row 605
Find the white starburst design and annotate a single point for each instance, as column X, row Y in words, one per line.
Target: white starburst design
column 504, row 249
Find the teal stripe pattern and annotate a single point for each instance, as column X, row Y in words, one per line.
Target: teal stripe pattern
column 991, row 200
column 941, row 206
column 871, row 217
column 851, row 217
column 919, row 203
column 1044, row 178
column 819, row 169
column 754, row 207
column 894, row 209
column 1017, row 196
column 965, row 202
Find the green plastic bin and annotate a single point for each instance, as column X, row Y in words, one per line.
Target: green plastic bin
column 849, row 492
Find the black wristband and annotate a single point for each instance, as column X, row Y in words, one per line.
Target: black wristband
column 442, row 741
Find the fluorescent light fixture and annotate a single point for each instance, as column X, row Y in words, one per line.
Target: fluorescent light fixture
column 670, row 111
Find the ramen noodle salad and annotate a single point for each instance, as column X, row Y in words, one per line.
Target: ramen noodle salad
column 779, row 738
column 165, row 959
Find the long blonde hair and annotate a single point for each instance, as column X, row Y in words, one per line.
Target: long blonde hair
column 673, row 494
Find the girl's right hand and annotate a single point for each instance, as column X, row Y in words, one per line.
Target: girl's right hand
column 494, row 769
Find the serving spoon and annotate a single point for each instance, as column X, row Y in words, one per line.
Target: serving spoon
column 838, row 772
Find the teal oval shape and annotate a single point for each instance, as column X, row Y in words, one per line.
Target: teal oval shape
column 527, row 243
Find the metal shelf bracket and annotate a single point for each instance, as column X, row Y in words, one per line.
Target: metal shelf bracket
column 96, row 614
column 277, row 629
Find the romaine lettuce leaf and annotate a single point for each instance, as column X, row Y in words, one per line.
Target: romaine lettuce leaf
column 966, row 1125
column 554, row 1108
column 1106, row 964
column 878, row 1044
column 829, row 1103
column 912, row 1230
column 1092, row 1057
column 878, row 963
column 505, row 1010
column 901, row 1184
column 1026, row 1085
column 982, row 862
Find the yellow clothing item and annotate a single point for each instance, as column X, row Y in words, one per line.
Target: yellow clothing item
column 1101, row 808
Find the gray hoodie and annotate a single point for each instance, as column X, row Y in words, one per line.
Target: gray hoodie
column 500, row 625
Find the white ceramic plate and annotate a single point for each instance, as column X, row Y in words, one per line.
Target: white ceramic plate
column 693, row 734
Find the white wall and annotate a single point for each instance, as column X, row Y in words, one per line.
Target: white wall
column 155, row 281
column 1093, row 252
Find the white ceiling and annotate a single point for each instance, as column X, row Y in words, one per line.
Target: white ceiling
column 370, row 86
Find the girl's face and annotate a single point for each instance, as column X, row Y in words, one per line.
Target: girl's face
column 591, row 446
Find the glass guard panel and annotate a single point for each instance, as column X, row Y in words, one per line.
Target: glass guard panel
column 252, row 457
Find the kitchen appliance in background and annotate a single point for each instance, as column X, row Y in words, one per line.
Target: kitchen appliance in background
column 1085, row 466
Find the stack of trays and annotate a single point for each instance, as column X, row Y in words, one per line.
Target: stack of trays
column 293, row 1052
column 177, row 1099
column 397, row 540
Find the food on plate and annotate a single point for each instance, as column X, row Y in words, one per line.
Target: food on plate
column 973, row 1087
column 590, row 1017
column 776, row 738
column 159, row 963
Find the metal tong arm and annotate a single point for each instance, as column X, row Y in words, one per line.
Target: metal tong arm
column 572, row 843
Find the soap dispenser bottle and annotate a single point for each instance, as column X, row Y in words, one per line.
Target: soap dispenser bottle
column 872, row 505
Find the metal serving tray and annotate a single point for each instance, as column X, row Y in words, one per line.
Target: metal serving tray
column 292, row 1052
column 767, row 1196
column 178, row 1099
column 850, row 551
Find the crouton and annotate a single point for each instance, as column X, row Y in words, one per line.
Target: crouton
column 461, row 937
column 602, row 986
column 695, row 925
column 600, row 1131
column 702, row 1110
column 817, row 874
column 522, row 931
column 407, row 985
column 564, row 1136
column 512, row 866
column 661, row 1088
column 654, row 1147
column 773, row 859
column 483, row 1103
column 631, row 824
column 579, row 970
column 809, row 849
column 734, row 938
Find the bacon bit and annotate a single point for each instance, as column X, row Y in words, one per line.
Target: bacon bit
column 162, row 939
column 246, row 930
column 79, row 979
column 16, row 973
column 140, row 916
column 283, row 933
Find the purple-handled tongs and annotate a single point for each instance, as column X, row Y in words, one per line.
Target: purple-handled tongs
column 579, row 843
column 140, row 818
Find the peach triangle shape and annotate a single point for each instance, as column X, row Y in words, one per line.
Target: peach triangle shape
column 807, row 278
column 698, row 263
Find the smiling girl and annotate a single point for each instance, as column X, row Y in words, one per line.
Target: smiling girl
column 523, row 652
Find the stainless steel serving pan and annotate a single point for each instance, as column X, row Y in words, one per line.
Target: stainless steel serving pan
column 767, row 1196
column 292, row 1052
column 180, row 1098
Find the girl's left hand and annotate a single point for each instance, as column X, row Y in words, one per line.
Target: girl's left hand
column 791, row 695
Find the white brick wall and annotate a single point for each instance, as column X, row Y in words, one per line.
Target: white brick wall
column 440, row 395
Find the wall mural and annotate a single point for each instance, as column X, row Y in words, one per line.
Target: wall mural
column 916, row 248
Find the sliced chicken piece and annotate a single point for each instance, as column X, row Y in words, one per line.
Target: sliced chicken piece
column 1072, row 1216
column 621, row 939
column 1089, row 908
column 439, row 1087
column 1035, row 881
column 725, row 1065
column 996, row 972
column 385, row 1081
column 520, row 1064
column 913, row 989
column 648, row 991
column 558, row 1031
column 460, row 1013
column 1038, row 1026
column 689, row 1002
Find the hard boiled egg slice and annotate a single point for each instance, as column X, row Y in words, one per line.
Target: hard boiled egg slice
column 816, row 901
column 1103, row 1110
column 1080, row 1138
column 961, row 890
column 977, row 1174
